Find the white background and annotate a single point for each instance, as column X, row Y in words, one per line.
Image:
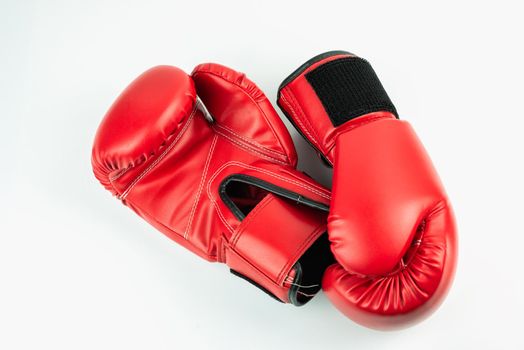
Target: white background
column 80, row 271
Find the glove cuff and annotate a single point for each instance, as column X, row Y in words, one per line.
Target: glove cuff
column 325, row 94
column 349, row 88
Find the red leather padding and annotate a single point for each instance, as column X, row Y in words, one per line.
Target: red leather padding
column 239, row 105
column 394, row 235
column 150, row 111
column 391, row 189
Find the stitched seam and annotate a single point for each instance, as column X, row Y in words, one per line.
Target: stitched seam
column 254, row 143
column 299, row 114
column 247, row 220
column 267, row 172
column 119, row 174
column 160, row 157
column 250, row 97
column 256, row 268
column 204, row 253
column 351, row 127
column 248, row 148
column 222, row 249
column 125, row 170
column 302, row 116
column 327, row 192
column 221, row 216
column 284, row 99
column 264, row 171
column 213, row 200
column 287, row 266
column 200, row 187
column 362, row 122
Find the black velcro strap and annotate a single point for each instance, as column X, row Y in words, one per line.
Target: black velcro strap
column 348, row 88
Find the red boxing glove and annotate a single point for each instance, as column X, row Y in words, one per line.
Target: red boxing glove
column 207, row 161
column 391, row 226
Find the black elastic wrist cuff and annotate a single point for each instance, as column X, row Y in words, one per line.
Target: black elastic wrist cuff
column 349, row 88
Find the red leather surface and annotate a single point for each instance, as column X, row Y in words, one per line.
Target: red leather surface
column 391, row 226
column 391, row 189
column 393, row 233
column 162, row 158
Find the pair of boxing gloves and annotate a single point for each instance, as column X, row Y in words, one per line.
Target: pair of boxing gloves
column 206, row 160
